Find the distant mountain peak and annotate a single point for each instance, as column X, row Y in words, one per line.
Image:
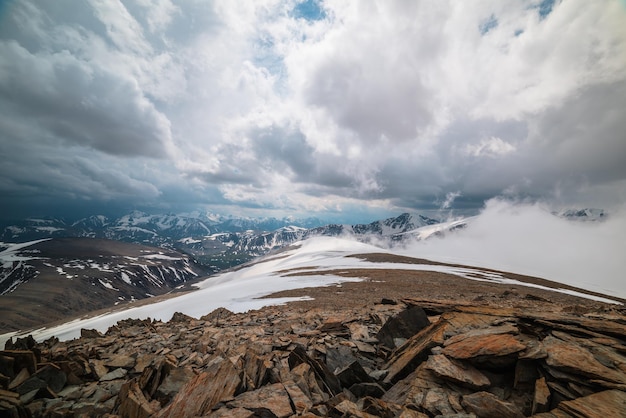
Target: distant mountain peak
column 585, row 214
column 213, row 240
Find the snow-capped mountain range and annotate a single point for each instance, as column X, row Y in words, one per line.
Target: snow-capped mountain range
column 95, row 262
column 141, row 227
column 221, row 242
column 213, row 240
column 90, row 273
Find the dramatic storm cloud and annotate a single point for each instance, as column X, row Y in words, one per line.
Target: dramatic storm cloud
column 333, row 108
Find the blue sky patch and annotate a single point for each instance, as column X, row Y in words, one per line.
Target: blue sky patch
column 545, row 8
column 489, row 24
column 309, row 10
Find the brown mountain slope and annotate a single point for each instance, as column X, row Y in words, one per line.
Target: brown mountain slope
column 67, row 277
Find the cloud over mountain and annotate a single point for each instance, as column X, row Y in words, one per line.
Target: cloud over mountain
column 331, row 107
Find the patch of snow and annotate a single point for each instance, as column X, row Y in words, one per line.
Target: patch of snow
column 189, row 240
column 108, row 285
column 241, row 290
column 39, row 221
column 126, row 279
column 134, row 229
column 10, row 254
column 161, row 257
column 48, row 229
column 428, row 231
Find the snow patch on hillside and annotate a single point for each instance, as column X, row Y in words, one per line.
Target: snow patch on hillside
column 10, row 253
column 240, row 290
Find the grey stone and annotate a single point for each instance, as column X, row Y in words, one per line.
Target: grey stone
column 404, row 325
column 113, row 375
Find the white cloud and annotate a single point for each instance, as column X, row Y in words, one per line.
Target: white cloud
column 450, row 198
column 121, row 27
column 528, row 239
column 159, row 13
column 489, row 147
column 381, row 102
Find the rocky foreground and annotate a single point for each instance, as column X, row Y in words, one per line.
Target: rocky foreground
column 410, row 358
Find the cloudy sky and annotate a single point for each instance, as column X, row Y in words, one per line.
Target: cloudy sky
column 345, row 110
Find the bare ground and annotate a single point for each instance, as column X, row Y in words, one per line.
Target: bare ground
column 399, row 284
column 393, row 284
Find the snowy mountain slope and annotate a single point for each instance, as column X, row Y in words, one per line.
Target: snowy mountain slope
column 432, row 230
column 141, row 227
column 219, row 242
column 52, row 278
column 308, row 265
column 216, row 242
column 383, row 228
column 223, row 250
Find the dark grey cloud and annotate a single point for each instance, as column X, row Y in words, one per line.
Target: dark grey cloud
column 76, row 101
column 345, row 107
column 288, row 150
column 586, row 135
column 367, row 101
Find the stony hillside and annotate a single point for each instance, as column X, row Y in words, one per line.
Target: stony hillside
column 54, row 279
column 473, row 349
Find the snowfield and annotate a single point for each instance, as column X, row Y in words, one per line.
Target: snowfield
column 241, row 290
column 10, row 253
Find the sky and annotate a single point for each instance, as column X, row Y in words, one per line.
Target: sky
column 338, row 109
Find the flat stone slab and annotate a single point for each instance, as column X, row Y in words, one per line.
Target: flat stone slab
column 464, row 374
column 488, row 405
column 610, row 403
column 273, row 397
column 574, row 358
column 497, row 345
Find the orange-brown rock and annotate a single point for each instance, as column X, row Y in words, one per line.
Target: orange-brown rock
column 577, row 359
column 133, row 403
column 202, row 393
column 455, row 371
column 541, row 398
column 272, row 397
column 20, row 359
column 285, row 361
column 402, row 326
column 416, row 349
column 496, row 345
column 488, row 405
column 610, row 403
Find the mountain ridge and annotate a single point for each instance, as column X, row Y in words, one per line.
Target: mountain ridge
column 219, row 242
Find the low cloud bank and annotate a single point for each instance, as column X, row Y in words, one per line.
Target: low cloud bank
column 528, row 239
